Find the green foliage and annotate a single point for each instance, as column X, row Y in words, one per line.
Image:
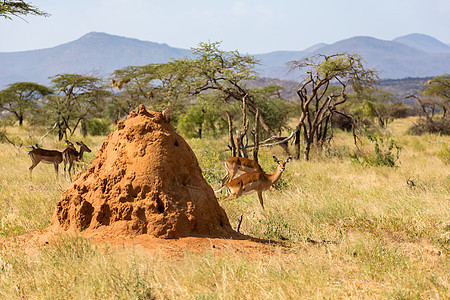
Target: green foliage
column 276, row 111
column 224, row 67
column 177, row 84
column 209, row 158
column 18, row 8
column 21, row 98
column 324, row 92
column 439, row 87
column 435, row 107
column 386, row 152
column 96, row 126
column 203, row 118
column 275, row 227
column 79, row 97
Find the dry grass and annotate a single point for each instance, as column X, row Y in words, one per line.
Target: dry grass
column 377, row 237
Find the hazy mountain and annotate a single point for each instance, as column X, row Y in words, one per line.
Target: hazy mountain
column 390, row 58
column 423, row 42
column 95, row 52
column 100, row 53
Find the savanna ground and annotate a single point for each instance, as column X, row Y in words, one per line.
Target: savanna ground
column 338, row 229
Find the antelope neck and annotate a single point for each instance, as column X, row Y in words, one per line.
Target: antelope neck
column 275, row 176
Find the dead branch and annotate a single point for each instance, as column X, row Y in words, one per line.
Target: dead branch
column 256, row 137
column 239, row 223
column 54, row 126
column 232, row 145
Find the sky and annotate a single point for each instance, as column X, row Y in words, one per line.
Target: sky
column 249, row 26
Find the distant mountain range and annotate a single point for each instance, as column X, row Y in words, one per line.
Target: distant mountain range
column 414, row 55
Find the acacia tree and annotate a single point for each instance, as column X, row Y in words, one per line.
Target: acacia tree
column 18, row 8
column 375, row 104
column 324, row 89
column 202, row 117
column 20, row 98
column 78, row 97
column 436, row 98
column 178, row 83
column 225, row 71
column 439, row 88
column 158, row 86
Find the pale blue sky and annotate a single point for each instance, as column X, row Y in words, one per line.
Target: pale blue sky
column 250, row 26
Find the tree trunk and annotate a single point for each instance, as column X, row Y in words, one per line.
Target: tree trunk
column 309, row 138
column 232, row 146
column 297, row 142
column 256, row 137
column 84, row 128
column 243, row 135
column 60, row 132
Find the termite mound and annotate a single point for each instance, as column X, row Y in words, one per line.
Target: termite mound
column 145, row 179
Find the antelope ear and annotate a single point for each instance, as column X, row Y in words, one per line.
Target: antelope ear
column 79, row 144
column 275, row 159
column 288, row 159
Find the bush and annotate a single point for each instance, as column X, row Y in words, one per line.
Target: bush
column 98, row 126
column 401, row 110
column 341, row 122
column 386, row 152
column 441, row 126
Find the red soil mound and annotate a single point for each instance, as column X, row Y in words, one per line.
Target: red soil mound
column 145, row 179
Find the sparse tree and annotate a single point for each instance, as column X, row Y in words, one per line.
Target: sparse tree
column 158, row 86
column 439, row 88
column 376, row 104
column 202, row 117
column 225, row 71
column 319, row 102
column 20, row 97
column 78, row 97
column 434, row 104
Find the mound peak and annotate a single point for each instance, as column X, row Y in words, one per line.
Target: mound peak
column 145, row 179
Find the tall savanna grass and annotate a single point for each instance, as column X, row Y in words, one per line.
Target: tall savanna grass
column 340, row 229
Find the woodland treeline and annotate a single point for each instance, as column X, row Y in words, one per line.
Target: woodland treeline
column 209, row 96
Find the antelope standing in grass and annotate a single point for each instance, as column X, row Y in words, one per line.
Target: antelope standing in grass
column 239, row 166
column 254, row 182
column 54, row 157
column 71, row 155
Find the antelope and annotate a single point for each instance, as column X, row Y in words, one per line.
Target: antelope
column 238, row 166
column 254, row 182
column 54, row 157
column 71, row 155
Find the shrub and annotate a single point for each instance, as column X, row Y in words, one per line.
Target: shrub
column 441, row 126
column 386, row 152
column 98, row 126
column 341, row 122
column 401, row 110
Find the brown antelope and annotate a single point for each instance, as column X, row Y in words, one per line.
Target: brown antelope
column 38, row 155
column 238, row 166
column 254, row 182
column 71, row 155
column 54, row 157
